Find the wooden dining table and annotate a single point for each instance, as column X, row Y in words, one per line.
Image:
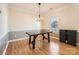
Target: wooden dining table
column 35, row 33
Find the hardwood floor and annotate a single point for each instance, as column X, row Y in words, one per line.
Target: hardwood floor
column 55, row 47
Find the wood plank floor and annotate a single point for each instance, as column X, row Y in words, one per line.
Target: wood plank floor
column 55, row 47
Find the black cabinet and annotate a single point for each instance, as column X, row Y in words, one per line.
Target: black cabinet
column 63, row 35
column 68, row 36
column 72, row 37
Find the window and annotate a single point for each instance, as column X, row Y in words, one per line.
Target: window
column 54, row 24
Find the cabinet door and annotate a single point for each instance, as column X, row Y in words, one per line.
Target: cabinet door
column 72, row 37
column 63, row 35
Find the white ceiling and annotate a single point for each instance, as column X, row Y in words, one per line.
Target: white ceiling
column 33, row 7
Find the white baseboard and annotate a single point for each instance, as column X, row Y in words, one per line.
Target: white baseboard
column 5, row 48
column 12, row 41
column 54, row 37
column 18, row 39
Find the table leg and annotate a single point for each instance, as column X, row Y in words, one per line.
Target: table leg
column 29, row 39
column 48, row 37
column 43, row 36
column 34, row 42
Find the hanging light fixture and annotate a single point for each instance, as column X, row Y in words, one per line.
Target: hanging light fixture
column 39, row 9
column 39, row 18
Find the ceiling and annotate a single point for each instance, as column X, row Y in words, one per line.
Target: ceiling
column 33, row 7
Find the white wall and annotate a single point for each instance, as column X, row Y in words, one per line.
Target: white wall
column 20, row 20
column 0, row 21
column 3, row 20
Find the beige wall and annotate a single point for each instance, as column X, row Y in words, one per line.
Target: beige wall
column 68, row 17
column 3, row 20
column 20, row 20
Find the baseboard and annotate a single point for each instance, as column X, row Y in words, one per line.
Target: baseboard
column 18, row 39
column 12, row 41
column 54, row 37
column 3, row 42
column 5, row 48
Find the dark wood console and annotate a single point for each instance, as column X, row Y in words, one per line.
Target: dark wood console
column 68, row 36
